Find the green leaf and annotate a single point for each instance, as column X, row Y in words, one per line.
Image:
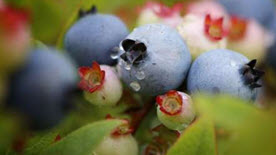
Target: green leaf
column 198, row 139
column 9, row 128
column 40, row 142
column 227, row 111
column 247, row 129
column 82, row 141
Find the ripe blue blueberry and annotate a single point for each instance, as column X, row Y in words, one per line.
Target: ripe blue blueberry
column 261, row 10
column 155, row 59
column 42, row 89
column 224, row 71
column 93, row 37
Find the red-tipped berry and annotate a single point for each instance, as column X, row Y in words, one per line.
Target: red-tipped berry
column 154, row 12
column 202, row 33
column 100, row 84
column 238, row 28
column 14, row 37
column 214, row 28
column 248, row 37
column 175, row 110
column 120, row 142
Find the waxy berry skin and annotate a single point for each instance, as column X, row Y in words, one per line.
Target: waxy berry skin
column 252, row 43
column 154, row 12
column 159, row 53
column 122, row 145
column 202, row 8
column 224, row 71
column 15, row 38
column 93, row 37
column 42, row 89
column 261, row 10
column 105, row 90
column 175, row 110
column 119, row 142
column 192, row 30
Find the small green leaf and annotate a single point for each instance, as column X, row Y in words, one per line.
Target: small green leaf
column 227, row 111
column 40, row 142
column 82, row 141
column 9, row 128
column 198, row 139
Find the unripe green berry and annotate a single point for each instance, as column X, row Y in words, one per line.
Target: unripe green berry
column 119, row 145
column 15, row 38
column 119, row 142
column 101, row 85
column 175, row 110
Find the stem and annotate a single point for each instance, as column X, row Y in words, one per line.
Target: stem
column 139, row 114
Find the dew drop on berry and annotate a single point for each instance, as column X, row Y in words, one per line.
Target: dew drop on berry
column 127, row 66
column 135, row 86
column 140, row 75
column 116, row 52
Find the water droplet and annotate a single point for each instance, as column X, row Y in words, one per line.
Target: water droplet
column 128, row 66
column 140, row 75
column 115, row 54
column 135, row 86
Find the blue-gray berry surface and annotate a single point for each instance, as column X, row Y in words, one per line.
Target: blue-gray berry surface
column 42, row 89
column 93, row 37
column 155, row 59
column 224, row 71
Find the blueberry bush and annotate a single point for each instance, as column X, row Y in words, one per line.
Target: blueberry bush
column 120, row 77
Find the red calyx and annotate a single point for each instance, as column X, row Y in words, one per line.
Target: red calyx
column 170, row 103
column 123, row 129
column 213, row 28
column 92, row 78
column 238, row 28
column 12, row 19
column 58, row 138
column 162, row 10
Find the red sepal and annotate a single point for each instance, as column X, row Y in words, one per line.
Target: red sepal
column 58, row 138
column 213, row 28
column 123, row 129
column 170, row 95
column 92, row 78
column 238, row 28
column 162, row 10
column 12, row 19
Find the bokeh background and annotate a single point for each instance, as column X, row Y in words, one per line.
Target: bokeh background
column 240, row 128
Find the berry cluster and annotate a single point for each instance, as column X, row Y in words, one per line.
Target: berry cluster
column 174, row 53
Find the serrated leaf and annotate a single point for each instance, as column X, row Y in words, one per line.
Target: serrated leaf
column 82, row 141
column 198, row 139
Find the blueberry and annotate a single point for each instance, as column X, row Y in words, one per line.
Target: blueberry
column 261, row 10
column 155, row 59
column 224, row 71
column 93, row 37
column 41, row 89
